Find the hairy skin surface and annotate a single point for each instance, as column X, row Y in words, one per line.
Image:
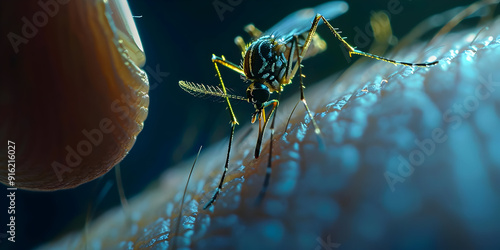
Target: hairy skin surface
column 410, row 161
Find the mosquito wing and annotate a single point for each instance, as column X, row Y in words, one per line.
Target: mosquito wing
column 300, row 21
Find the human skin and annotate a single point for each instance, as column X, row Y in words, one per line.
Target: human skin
column 410, row 160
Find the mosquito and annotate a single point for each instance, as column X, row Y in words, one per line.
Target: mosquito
column 269, row 63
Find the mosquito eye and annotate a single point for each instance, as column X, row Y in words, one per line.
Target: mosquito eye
column 258, row 94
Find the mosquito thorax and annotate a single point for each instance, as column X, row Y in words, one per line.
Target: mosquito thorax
column 265, row 61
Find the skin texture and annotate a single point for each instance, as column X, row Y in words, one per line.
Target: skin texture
column 409, row 161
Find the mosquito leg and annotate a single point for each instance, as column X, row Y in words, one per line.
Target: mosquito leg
column 291, row 113
column 350, row 48
column 230, row 65
column 226, row 167
column 262, row 115
column 302, row 97
column 268, row 169
column 234, row 122
column 222, row 61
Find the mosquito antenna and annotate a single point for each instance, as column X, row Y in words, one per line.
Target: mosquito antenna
column 201, row 90
column 179, row 218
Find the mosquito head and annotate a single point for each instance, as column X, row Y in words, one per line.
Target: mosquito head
column 258, row 94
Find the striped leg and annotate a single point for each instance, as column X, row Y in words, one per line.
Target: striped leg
column 221, row 60
column 351, row 49
column 275, row 104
